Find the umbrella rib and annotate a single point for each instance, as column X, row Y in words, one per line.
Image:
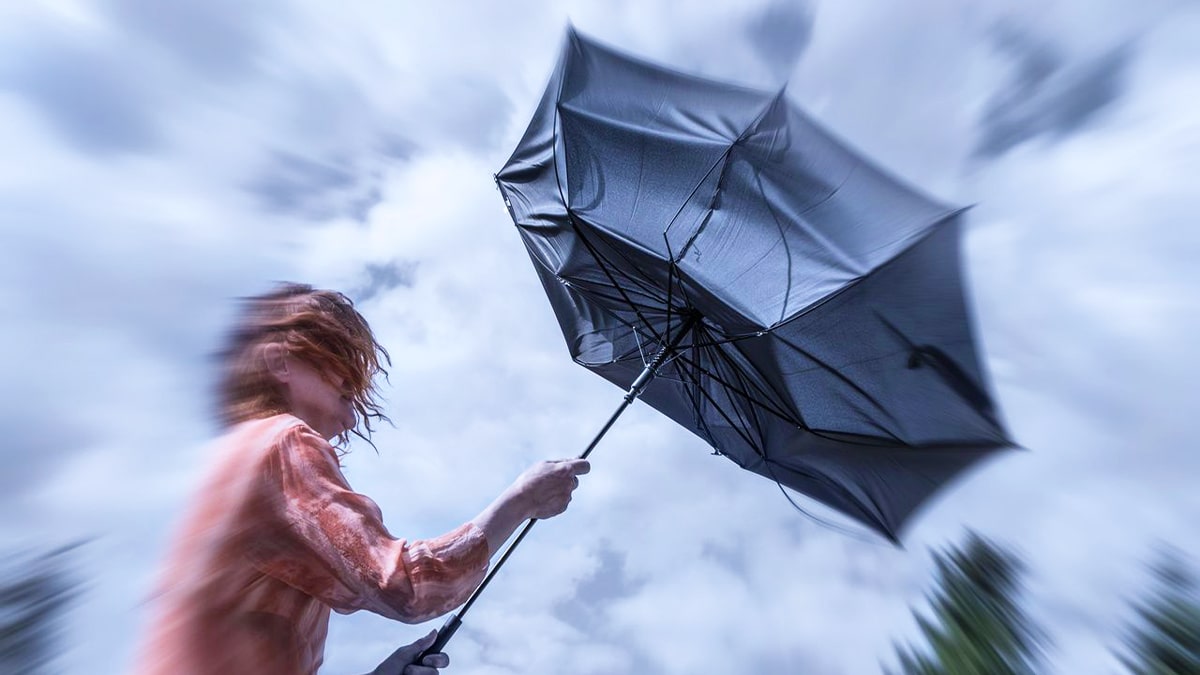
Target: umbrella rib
column 798, row 419
column 571, row 218
column 782, row 415
column 841, row 529
column 604, row 268
column 644, row 288
column 745, row 417
column 740, row 432
column 779, row 412
column 850, row 383
column 694, row 399
column 729, row 386
column 624, row 298
column 789, row 418
column 704, row 392
column 744, row 384
column 603, row 263
column 816, row 477
column 819, row 520
column 648, row 288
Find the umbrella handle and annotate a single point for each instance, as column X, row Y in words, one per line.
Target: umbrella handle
column 444, row 634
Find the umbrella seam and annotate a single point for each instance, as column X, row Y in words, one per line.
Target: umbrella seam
column 724, row 167
column 930, row 231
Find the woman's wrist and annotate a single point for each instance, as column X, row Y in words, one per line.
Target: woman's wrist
column 503, row 517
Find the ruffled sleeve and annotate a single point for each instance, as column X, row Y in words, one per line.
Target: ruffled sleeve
column 311, row 531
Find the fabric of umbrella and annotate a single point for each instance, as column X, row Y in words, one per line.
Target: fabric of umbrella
column 806, row 308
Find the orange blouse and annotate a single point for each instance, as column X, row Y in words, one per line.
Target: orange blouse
column 276, row 539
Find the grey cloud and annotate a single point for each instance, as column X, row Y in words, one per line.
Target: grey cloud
column 731, row 555
column 106, row 92
column 393, row 146
column 610, row 580
column 313, row 189
column 1035, row 59
column 359, row 208
column 93, row 97
column 381, row 278
column 219, row 38
column 1044, row 96
column 609, row 583
column 779, row 34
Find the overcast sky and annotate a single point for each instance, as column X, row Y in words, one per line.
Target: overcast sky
column 162, row 158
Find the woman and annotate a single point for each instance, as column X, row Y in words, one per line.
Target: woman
column 276, row 538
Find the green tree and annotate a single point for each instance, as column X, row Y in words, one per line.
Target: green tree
column 976, row 625
column 34, row 591
column 1164, row 638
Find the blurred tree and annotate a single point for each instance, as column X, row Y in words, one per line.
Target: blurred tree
column 1164, row 638
column 977, row 626
column 34, row 590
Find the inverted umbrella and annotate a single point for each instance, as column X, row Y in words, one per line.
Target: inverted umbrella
column 804, row 310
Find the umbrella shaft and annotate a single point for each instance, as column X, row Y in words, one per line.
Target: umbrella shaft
column 642, row 380
column 635, row 390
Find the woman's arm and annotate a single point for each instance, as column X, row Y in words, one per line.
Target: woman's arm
column 543, row 491
column 308, row 529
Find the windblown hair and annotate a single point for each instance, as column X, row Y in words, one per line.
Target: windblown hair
column 319, row 327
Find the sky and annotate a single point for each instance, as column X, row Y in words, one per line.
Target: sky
column 162, row 159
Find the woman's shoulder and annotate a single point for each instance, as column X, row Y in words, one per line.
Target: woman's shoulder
column 284, row 433
column 269, row 428
column 260, row 436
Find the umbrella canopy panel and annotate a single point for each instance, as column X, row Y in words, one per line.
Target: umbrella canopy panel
column 833, row 351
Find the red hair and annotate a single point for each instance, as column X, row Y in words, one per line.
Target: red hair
column 319, row 327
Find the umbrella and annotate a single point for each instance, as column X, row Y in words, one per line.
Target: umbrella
column 801, row 310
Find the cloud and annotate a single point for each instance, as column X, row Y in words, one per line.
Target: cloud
column 1044, row 97
column 85, row 91
column 385, row 277
column 220, row 39
column 313, row 190
column 779, row 34
column 594, row 596
column 104, row 83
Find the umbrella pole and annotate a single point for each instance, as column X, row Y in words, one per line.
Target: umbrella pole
column 454, row 622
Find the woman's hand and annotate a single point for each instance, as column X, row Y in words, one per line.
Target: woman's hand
column 543, row 491
column 401, row 660
column 545, row 488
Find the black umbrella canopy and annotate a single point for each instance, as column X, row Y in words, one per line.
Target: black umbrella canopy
column 830, row 348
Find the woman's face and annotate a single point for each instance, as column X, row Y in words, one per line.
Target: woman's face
column 319, row 400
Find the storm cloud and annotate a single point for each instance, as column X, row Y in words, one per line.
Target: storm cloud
column 1045, row 96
